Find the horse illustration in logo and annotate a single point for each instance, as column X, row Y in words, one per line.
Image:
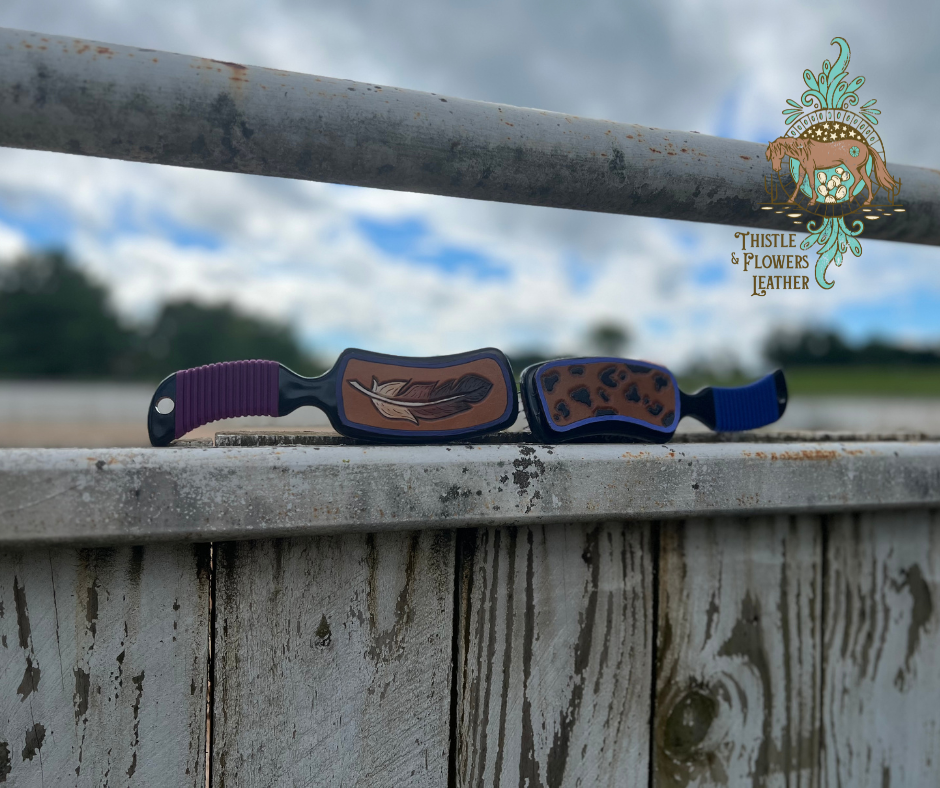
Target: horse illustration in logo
column 814, row 155
column 831, row 151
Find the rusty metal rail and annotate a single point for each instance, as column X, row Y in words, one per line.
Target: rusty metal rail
column 75, row 96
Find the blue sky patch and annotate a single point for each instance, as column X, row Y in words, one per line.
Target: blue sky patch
column 412, row 241
column 726, row 122
column 129, row 220
column 915, row 314
column 183, row 235
column 45, row 225
column 710, row 275
column 659, row 326
column 728, row 126
column 685, row 239
column 580, row 275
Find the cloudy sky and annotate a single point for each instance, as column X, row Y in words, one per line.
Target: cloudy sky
column 418, row 274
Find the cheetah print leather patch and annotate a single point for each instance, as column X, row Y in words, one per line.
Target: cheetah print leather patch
column 577, row 392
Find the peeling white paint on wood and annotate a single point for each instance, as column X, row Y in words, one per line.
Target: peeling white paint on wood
column 333, row 663
column 208, row 494
column 555, row 653
column 103, row 666
column 738, row 665
column 881, row 690
column 792, row 647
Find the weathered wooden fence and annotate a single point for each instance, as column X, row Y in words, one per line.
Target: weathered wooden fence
column 692, row 614
column 500, row 614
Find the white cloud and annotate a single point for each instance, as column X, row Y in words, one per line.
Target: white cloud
column 292, row 250
column 12, row 244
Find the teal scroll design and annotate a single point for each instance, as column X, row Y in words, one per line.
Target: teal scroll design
column 831, row 89
column 834, row 239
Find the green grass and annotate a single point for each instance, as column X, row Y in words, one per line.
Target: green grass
column 861, row 381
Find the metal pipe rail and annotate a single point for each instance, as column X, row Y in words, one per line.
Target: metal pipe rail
column 83, row 97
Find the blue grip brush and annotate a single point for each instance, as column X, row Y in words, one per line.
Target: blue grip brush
column 574, row 398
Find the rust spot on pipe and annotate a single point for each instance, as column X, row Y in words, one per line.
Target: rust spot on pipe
column 746, row 158
column 103, row 51
column 805, row 454
column 236, row 66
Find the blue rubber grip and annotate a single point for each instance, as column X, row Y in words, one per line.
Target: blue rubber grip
column 746, row 407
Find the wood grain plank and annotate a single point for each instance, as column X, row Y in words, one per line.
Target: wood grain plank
column 555, row 656
column 103, row 666
column 334, row 661
column 738, row 652
column 881, row 701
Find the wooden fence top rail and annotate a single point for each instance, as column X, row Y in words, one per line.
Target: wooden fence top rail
column 210, row 493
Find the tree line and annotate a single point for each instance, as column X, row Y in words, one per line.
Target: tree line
column 826, row 348
column 56, row 322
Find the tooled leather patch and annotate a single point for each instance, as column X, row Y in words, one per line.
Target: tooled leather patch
column 603, row 388
column 396, row 396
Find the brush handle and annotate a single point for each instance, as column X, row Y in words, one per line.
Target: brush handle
column 216, row 391
column 370, row 396
column 740, row 408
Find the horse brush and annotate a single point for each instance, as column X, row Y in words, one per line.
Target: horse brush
column 372, row 396
column 576, row 398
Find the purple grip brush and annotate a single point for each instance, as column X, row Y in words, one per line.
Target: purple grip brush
column 366, row 395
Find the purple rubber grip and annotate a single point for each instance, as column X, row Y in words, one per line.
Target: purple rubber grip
column 225, row 391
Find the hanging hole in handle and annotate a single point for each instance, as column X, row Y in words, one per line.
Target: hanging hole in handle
column 165, row 406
